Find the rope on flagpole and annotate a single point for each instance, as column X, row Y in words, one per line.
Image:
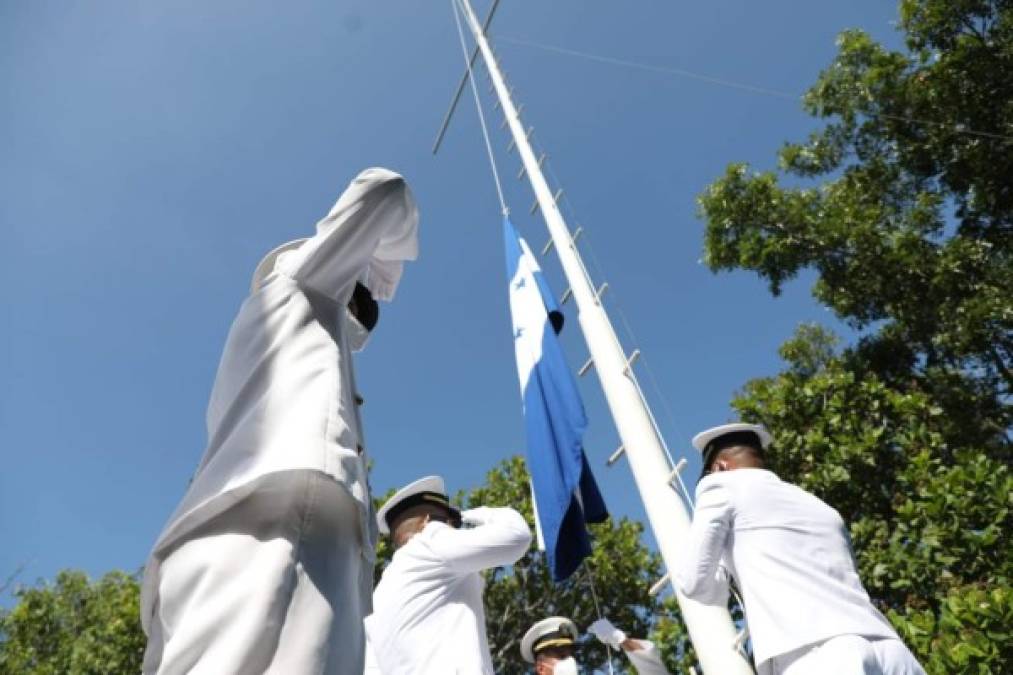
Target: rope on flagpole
column 597, row 609
column 746, row 87
column 478, row 106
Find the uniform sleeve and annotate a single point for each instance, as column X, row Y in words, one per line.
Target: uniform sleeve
column 371, row 667
column 701, row 575
column 647, row 659
column 374, row 224
column 500, row 536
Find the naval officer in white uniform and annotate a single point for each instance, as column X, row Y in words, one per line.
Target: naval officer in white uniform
column 266, row 565
column 790, row 553
column 428, row 617
column 550, row 645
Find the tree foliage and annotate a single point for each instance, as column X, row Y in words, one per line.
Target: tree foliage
column 911, row 229
column 74, row 626
column 902, row 204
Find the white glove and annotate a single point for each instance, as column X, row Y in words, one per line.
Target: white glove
column 607, row 633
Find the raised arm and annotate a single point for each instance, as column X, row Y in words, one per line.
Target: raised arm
column 369, row 232
column 644, row 655
column 700, row 575
column 500, row 536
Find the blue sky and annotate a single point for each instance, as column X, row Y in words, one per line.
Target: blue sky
column 151, row 152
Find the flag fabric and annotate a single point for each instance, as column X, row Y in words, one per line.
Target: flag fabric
column 562, row 484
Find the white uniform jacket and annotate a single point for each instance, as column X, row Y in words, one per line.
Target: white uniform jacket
column 284, row 394
column 647, row 659
column 428, row 617
column 791, row 555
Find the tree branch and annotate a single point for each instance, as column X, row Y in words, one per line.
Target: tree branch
column 12, row 577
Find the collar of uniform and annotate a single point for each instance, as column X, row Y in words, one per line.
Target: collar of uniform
column 735, row 474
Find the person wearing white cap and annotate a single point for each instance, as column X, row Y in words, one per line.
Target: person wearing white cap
column 266, row 564
column 550, row 645
column 790, row 554
column 428, row 617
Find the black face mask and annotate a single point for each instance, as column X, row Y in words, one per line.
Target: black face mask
column 363, row 307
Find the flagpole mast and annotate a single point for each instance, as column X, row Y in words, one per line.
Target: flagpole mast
column 710, row 627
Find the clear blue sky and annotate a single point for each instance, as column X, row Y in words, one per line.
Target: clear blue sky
column 151, row 152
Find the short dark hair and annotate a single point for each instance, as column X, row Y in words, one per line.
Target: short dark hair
column 748, row 439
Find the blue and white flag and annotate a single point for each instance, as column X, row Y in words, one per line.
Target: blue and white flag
column 564, row 490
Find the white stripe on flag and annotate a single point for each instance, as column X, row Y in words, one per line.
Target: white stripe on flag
column 538, row 523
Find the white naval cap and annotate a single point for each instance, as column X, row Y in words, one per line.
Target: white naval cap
column 428, row 490
column 555, row 631
column 703, row 441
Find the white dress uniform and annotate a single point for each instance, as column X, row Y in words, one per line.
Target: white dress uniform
column 647, row 659
column 428, row 617
column 790, row 553
column 266, row 565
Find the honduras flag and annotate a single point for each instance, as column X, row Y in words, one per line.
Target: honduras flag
column 564, row 490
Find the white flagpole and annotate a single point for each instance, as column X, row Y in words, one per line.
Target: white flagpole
column 710, row 627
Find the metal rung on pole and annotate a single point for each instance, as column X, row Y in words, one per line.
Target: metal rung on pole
column 495, row 106
column 614, row 457
column 513, row 142
column 679, row 466
column 547, row 247
column 524, row 169
column 659, row 585
column 633, row 359
column 555, row 200
column 502, row 125
column 740, row 640
column 576, row 233
column 567, row 294
column 586, row 367
column 601, row 289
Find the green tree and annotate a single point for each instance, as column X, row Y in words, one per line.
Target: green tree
column 621, row 569
column 74, row 627
column 903, row 207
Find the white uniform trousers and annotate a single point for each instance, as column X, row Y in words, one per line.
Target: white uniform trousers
column 275, row 584
column 848, row 655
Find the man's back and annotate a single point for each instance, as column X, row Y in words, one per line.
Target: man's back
column 791, row 555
